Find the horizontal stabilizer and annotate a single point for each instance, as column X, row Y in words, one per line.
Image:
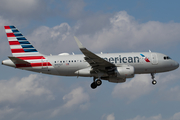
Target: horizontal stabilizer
column 16, row 60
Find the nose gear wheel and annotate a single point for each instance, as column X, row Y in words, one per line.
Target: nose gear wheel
column 153, row 81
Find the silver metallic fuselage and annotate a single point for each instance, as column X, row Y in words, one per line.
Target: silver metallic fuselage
column 67, row 65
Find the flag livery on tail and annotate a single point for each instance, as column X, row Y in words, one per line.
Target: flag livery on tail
column 18, row 43
column 22, row 49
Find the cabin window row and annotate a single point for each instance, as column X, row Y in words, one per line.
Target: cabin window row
column 68, row 61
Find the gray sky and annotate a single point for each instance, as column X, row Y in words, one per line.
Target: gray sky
column 102, row 26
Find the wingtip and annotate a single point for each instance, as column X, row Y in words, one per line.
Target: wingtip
column 78, row 42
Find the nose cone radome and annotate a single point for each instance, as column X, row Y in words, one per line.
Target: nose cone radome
column 176, row 64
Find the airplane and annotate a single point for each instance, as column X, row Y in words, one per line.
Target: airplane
column 113, row 67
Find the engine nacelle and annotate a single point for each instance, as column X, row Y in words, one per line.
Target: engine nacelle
column 87, row 72
column 125, row 72
column 84, row 72
column 116, row 79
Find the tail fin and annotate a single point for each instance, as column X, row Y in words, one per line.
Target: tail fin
column 20, row 46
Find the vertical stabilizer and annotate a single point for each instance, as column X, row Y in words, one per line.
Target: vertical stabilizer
column 19, row 45
column 24, row 54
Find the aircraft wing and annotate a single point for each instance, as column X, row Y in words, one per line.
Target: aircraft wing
column 94, row 60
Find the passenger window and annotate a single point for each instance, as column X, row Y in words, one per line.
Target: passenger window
column 72, row 60
column 165, row 58
column 69, row 61
column 54, row 61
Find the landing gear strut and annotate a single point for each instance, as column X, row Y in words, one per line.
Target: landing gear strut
column 153, row 81
column 96, row 83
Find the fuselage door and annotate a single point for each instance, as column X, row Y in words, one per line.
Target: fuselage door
column 154, row 59
column 44, row 63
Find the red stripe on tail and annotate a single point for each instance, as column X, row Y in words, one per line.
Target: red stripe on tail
column 7, row 27
column 10, row 35
column 17, row 50
column 14, row 43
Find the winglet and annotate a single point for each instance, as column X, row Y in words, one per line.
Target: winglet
column 79, row 43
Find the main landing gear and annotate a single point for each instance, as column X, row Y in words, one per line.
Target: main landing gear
column 153, row 81
column 96, row 83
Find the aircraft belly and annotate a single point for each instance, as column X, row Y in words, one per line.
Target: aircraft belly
column 146, row 68
column 68, row 69
column 50, row 70
column 62, row 70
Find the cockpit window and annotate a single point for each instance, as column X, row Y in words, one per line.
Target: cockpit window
column 166, row 57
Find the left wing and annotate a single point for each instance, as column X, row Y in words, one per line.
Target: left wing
column 96, row 62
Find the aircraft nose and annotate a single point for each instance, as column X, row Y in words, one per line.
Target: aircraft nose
column 176, row 64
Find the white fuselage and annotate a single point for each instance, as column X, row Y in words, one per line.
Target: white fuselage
column 67, row 65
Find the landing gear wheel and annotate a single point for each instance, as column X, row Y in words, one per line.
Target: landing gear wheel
column 93, row 85
column 98, row 82
column 154, row 82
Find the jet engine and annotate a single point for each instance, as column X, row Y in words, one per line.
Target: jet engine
column 121, row 73
column 125, row 72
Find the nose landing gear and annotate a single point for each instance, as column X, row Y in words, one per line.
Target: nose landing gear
column 153, row 81
column 96, row 83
